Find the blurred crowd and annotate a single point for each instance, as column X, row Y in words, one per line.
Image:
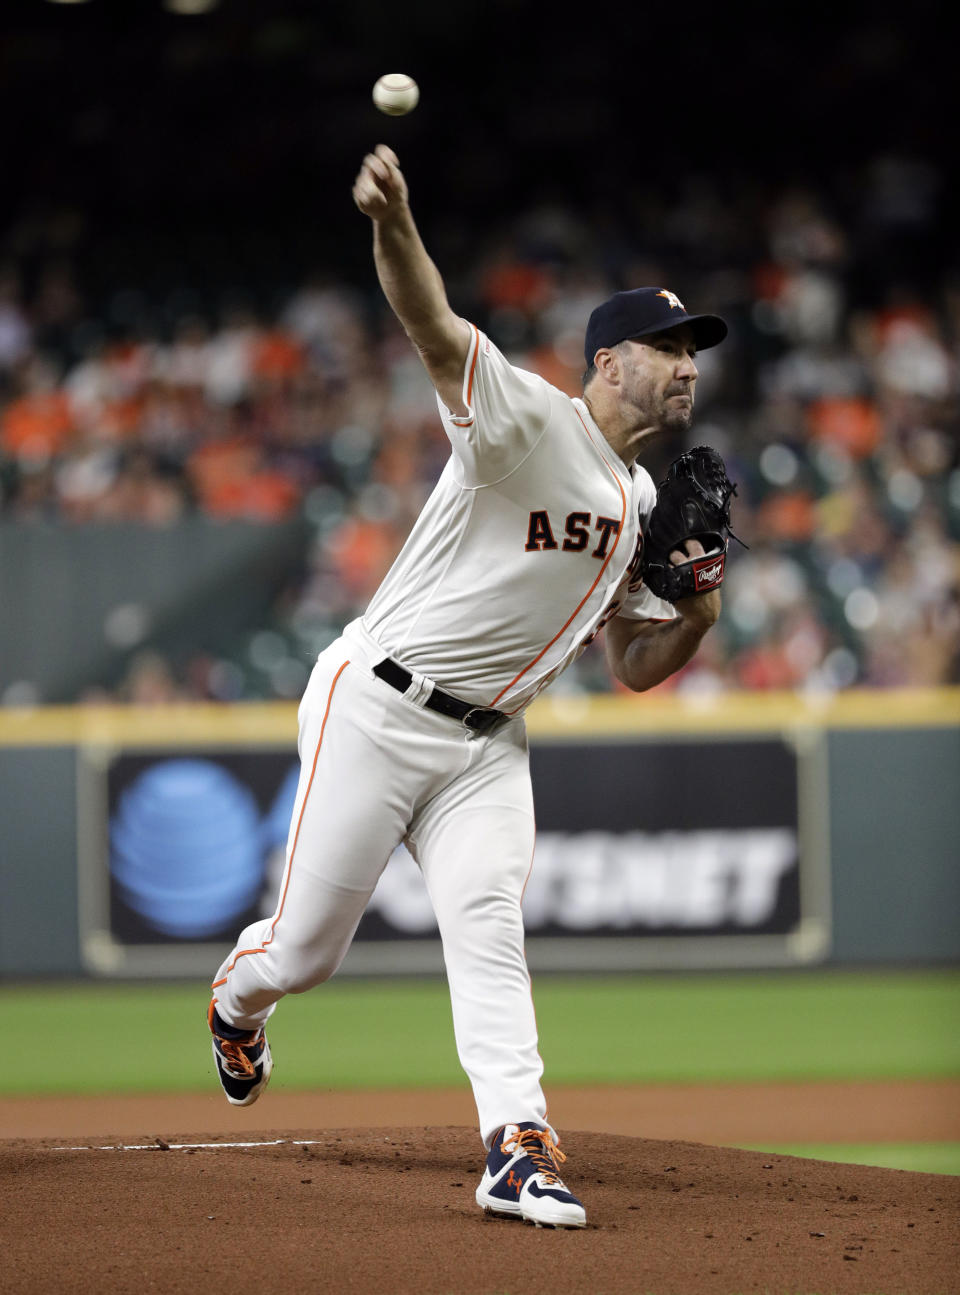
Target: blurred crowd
column 834, row 402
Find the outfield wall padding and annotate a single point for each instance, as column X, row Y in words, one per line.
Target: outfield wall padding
column 882, row 789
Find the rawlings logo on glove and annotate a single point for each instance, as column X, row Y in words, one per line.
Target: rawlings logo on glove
column 708, row 577
column 693, row 503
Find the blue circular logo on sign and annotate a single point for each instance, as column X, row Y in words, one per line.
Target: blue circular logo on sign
column 185, row 848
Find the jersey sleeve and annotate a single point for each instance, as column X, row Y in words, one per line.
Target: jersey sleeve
column 507, row 412
column 640, row 604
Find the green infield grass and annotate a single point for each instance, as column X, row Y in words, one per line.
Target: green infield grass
column 102, row 1038
column 922, row 1157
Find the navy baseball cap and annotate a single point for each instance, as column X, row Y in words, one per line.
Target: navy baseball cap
column 646, row 310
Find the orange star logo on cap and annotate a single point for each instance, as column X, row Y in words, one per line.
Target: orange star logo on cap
column 674, row 300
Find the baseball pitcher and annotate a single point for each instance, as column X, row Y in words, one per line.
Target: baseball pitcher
column 541, row 530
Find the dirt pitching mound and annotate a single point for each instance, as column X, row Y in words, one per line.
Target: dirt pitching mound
column 382, row 1210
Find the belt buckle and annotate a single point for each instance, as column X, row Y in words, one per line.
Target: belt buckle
column 480, row 718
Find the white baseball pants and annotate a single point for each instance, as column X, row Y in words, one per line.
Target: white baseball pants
column 378, row 769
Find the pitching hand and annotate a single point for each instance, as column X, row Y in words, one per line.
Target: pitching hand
column 380, row 189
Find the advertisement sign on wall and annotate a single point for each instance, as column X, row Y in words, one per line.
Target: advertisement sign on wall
column 669, row 852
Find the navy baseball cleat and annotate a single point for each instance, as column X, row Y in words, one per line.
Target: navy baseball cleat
column 522, row 1179
column 242, row 1059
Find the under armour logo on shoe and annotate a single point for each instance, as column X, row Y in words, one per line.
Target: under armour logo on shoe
column 513, row 1180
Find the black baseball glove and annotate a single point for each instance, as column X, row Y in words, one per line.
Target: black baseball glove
column 693, row 503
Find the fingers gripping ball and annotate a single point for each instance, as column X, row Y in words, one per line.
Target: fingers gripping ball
column 693, row 503
column 396, row 94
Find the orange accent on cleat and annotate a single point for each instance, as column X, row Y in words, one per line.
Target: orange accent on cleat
column 542, row 1150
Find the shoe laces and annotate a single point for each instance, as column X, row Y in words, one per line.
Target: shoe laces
column 540, row 1147
column 232, row 1051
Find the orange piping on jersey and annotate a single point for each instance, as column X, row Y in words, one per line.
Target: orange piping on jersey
column 573, row 614
column 530, row 869
column 242, row 953
column 473, row 363
column 463, row 420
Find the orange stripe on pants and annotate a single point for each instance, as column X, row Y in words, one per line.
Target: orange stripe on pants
column 242, row 953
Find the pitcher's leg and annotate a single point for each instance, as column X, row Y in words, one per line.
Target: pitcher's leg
column 346, row 822
column 476, row 858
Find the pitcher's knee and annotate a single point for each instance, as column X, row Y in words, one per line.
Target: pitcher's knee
column 491, row 920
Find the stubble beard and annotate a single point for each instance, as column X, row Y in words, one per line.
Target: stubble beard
column 673, row 417
column 660, row 412
column 677, row 420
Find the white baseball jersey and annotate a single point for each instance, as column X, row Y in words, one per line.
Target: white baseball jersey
column 527, row 545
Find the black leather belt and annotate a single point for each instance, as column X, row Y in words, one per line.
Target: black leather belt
column 479, row 719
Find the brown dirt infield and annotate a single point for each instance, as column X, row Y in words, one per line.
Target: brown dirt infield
column 390, row 1208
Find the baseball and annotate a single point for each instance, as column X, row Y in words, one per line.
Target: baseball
column 396, row 94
